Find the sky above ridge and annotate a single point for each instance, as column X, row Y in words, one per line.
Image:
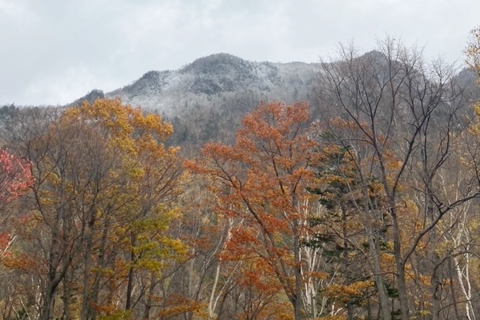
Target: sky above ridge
column 55, row 51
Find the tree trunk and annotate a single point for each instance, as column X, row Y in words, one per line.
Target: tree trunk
column 149, row 297
column 374, row 251
column 95, row 289
column 435, row 280
column 128, row 303
column 452, row 289
column 86, row 280
column 46, row 312
column 298, row 305
column 346, row 260
column 399, row 264
column 67, row 294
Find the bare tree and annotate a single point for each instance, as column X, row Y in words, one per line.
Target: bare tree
column 397, row 115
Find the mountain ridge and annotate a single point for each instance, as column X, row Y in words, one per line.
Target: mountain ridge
column 208, row 76
column 217, row 88
column 206, row 99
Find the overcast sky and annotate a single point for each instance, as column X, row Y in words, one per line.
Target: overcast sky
column 55, row 51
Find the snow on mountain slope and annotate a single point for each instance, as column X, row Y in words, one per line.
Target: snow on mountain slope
column 208, row 81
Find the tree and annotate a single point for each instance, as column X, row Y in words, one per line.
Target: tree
column 15, row 179
column 397, row 116
column 102, row 203
column 339, row 230
column 261, row 183
column 473, row 50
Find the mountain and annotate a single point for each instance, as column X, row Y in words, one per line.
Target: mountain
column 209, row 96
column 216, row 77
column 206, row 99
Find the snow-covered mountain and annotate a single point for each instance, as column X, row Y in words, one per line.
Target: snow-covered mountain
column 211, row 94
column 206, row 100
column 217, row 77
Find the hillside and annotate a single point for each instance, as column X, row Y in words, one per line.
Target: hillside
column 208, row 97
column 383, row 165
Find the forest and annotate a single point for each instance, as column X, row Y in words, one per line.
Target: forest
column 360, row 205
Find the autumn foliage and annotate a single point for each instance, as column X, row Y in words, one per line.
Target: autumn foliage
column 365, row 210
column 15, row 177
column 261, row 181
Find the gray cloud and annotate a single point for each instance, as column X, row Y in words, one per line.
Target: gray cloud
column 53, row 51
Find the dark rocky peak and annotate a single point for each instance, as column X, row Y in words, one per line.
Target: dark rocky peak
column 467, row 77
column 90, row 97
column 154, row 76
column 93, row 95
column 470, row 81
column 375, row 58
column 149, row 79
column 150, row 76
column 217, row 73
column 375, row 55
column 218, row 64
column 150, row 82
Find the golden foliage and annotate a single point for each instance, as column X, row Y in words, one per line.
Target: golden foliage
column 473, row 50
column 345, row 293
